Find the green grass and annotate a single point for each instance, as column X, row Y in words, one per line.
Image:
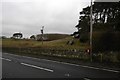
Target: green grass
column 58, row 48
column 54, row 48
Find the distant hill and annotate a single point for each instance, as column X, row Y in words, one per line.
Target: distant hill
column 50, row 37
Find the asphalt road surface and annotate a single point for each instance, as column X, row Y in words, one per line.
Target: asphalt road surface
column 16, row 66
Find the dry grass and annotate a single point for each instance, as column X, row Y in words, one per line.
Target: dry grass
column 60, row 43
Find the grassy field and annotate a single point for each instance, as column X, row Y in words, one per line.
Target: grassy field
column 54, row 36
column 55, row 48
column 60, row 43
column 58, row 48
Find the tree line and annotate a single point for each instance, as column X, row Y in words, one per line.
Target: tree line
column 106, row 24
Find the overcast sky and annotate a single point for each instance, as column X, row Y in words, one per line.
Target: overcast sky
column 28, row 16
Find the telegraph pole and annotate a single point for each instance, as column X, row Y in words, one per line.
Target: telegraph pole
column 91, row 31
column 42, row 33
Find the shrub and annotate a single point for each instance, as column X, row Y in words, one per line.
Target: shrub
column 106, row 41
column 84, row 37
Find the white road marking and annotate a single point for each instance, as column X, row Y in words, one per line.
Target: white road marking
column 79, row 65
column 110, row 70
column 86, row 79
column 5, row 59
column 90, row 67
column 37, row 67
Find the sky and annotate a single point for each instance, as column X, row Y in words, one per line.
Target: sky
column 28, row 16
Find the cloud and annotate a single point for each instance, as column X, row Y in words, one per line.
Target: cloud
column 29, row 16
column 107, row 0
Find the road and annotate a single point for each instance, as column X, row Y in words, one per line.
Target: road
column 16, row 66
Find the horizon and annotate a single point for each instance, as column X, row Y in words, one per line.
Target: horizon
column 33, row 34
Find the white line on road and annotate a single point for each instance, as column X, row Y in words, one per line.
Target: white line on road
column 86, row 78
column 110, row 70
column 101, row 69
column 5, row 59
column 79, row 65
column 37, row 67
column 89, row 67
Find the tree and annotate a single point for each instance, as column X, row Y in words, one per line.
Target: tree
column 3, row 37
column 105, row 15
column 17, row 35
column 32, row 37
column 106, row 25
column 83, row 24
